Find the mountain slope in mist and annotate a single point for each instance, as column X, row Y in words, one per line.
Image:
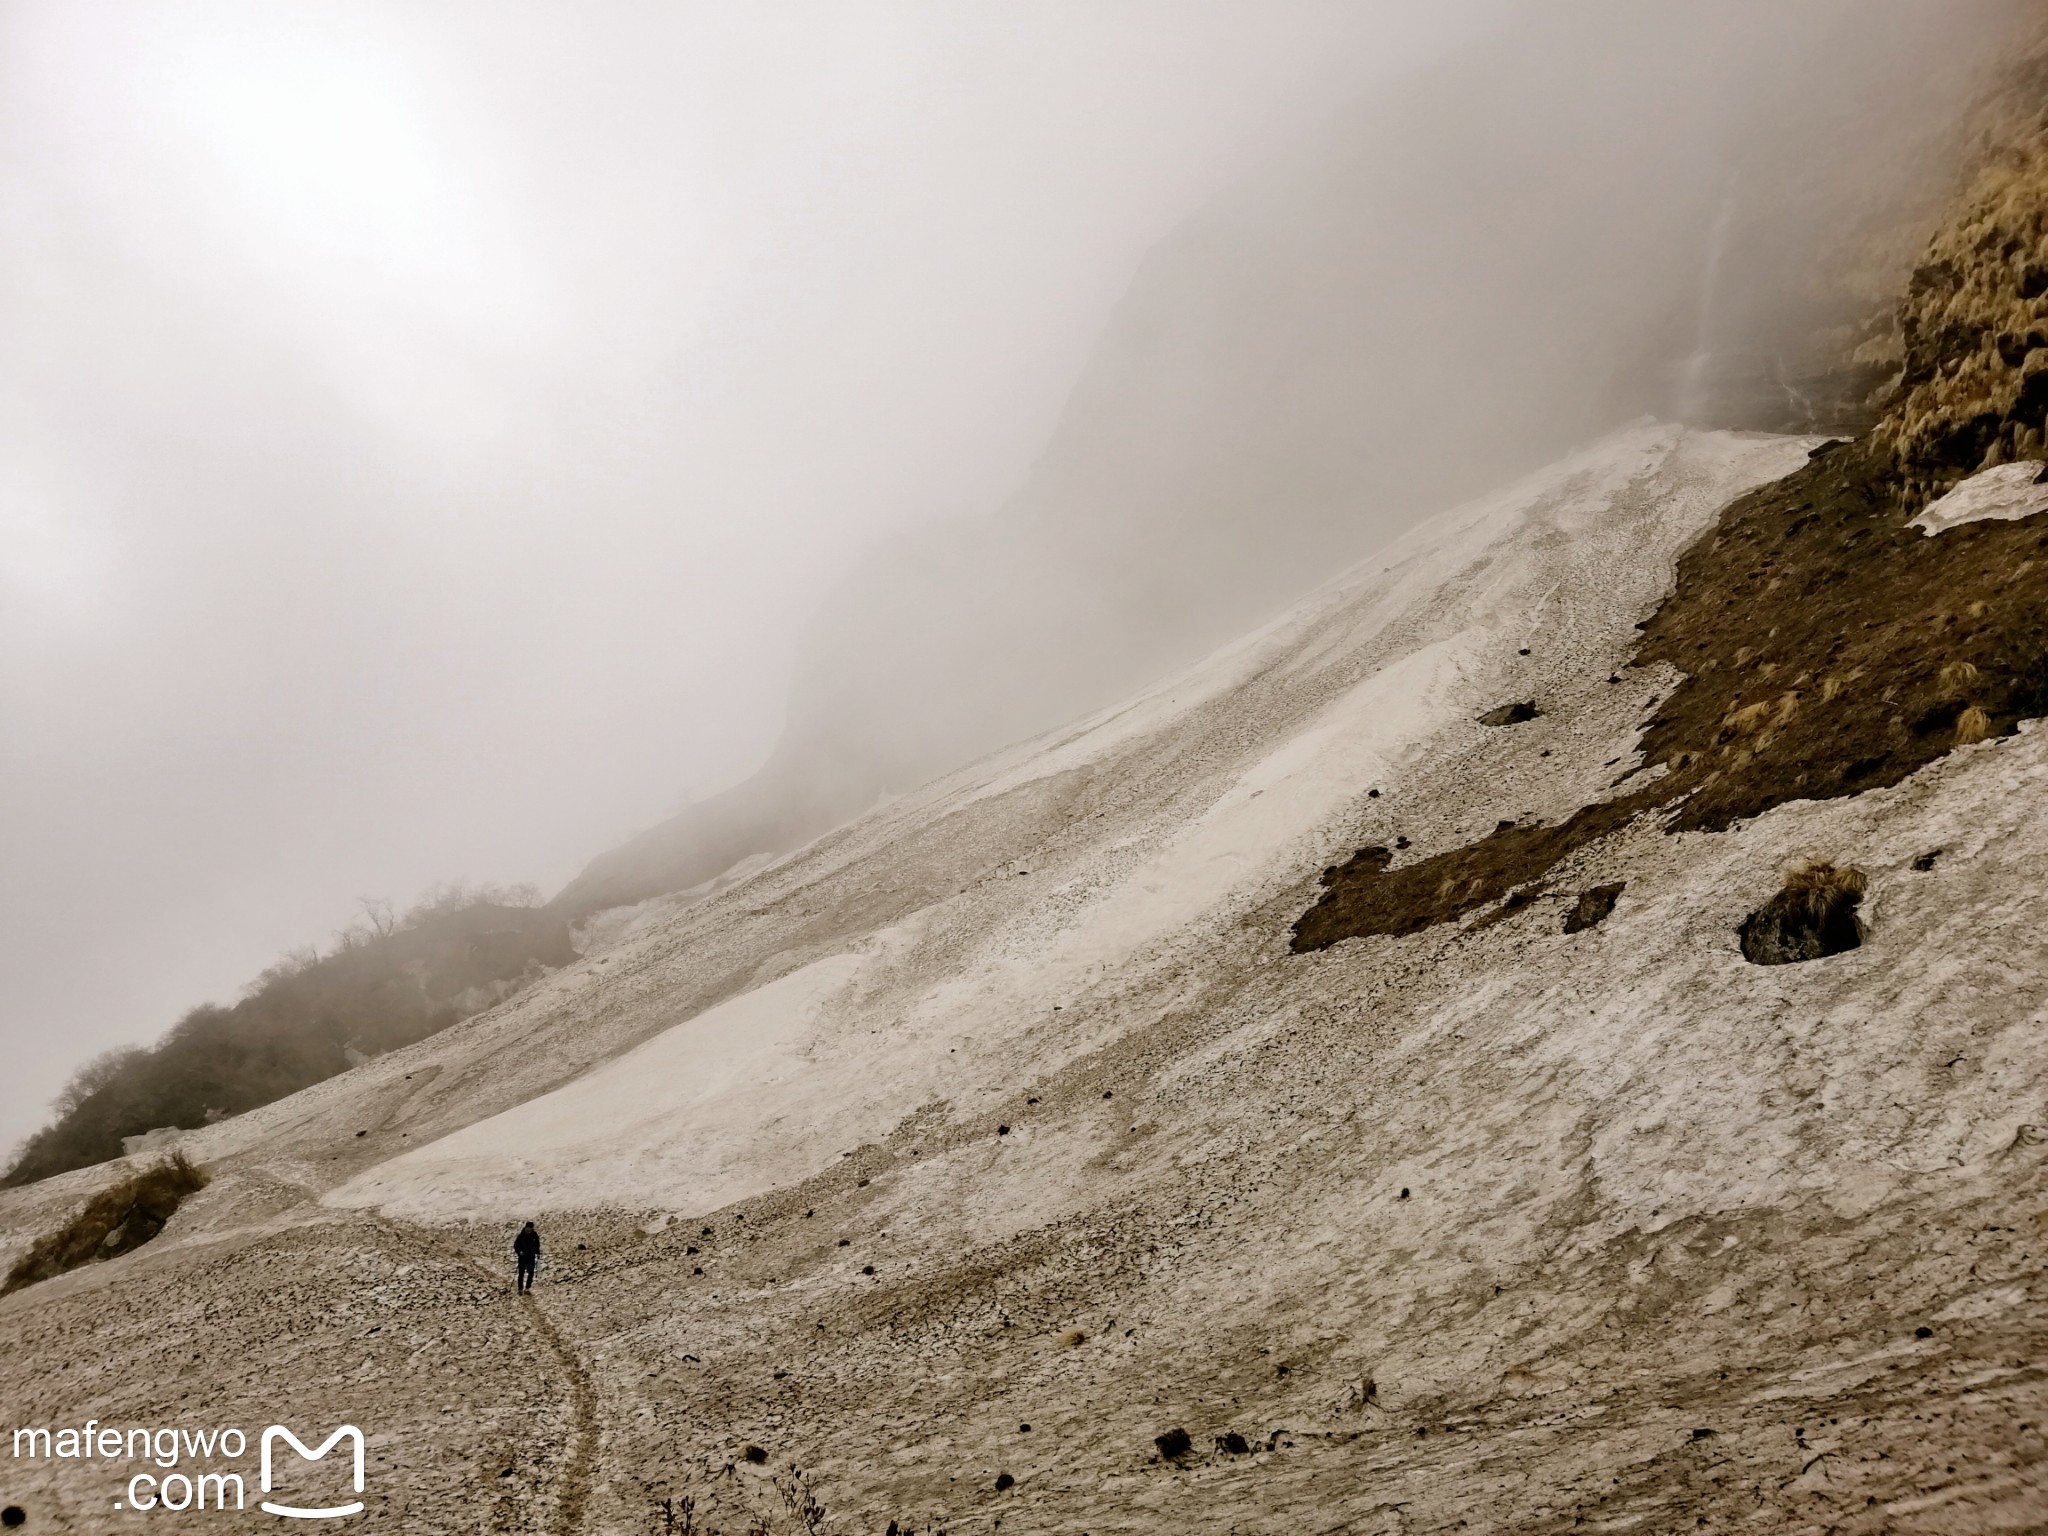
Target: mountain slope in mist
column 1011, row 1104
column 1606, row 211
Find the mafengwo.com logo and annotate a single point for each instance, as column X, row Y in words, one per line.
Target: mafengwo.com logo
column 182, row 1471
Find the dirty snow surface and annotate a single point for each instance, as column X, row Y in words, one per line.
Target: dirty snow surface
column 2006, row 494
column 1009, row 1106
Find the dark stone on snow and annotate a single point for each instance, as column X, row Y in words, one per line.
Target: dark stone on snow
column 1812, row 917
column 1593, row 907
column 1511, row 714
column 1234, row 1443
column 1174, row 1444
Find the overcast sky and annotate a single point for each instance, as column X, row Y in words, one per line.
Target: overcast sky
column 424, row 428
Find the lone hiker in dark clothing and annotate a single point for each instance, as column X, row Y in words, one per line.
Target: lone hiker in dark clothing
column 527, row 1246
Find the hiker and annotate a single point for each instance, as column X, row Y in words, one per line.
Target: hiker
column 527, row 1246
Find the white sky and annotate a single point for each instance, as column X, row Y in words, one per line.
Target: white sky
column 424, row 428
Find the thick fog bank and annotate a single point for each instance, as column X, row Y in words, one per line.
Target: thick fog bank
column 1608, row 210
column 425, row 428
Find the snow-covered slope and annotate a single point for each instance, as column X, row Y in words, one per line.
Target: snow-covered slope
column 1010, row 1105
column 1250, row 773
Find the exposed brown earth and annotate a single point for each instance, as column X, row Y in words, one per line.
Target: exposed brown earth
column 1828, row 649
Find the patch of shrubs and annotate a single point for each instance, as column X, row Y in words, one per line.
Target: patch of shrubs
column 388, row 982
column 117, row 1220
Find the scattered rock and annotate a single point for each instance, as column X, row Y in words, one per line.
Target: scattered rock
column 1404, row 1194
column 1812, row 917
column 1702, row 1434
column 1233, row 1443
column 867, row 1269
column 1923, row 1333
column 1527, row 896
column 1926, row 860
column 1174, row 1444
column 1511, row 714
column 1361, row 1395
column 1004, row 1482
column 756, row 1455
column 1072, row 1338
column 13, row 1515
column 1593, row 907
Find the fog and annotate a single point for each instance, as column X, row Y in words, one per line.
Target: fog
column 428, row 433
column 425, row 429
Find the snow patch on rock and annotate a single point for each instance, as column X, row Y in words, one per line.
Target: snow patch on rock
column 2004, row 494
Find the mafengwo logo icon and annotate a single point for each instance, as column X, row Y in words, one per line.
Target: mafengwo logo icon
column 277, row 1432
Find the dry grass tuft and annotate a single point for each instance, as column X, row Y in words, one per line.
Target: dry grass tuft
column 1824, row 879
column 1747, row 720
column 1972, row 725
column 1957, row 677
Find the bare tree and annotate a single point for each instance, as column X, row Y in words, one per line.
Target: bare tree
column 93, row 1076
